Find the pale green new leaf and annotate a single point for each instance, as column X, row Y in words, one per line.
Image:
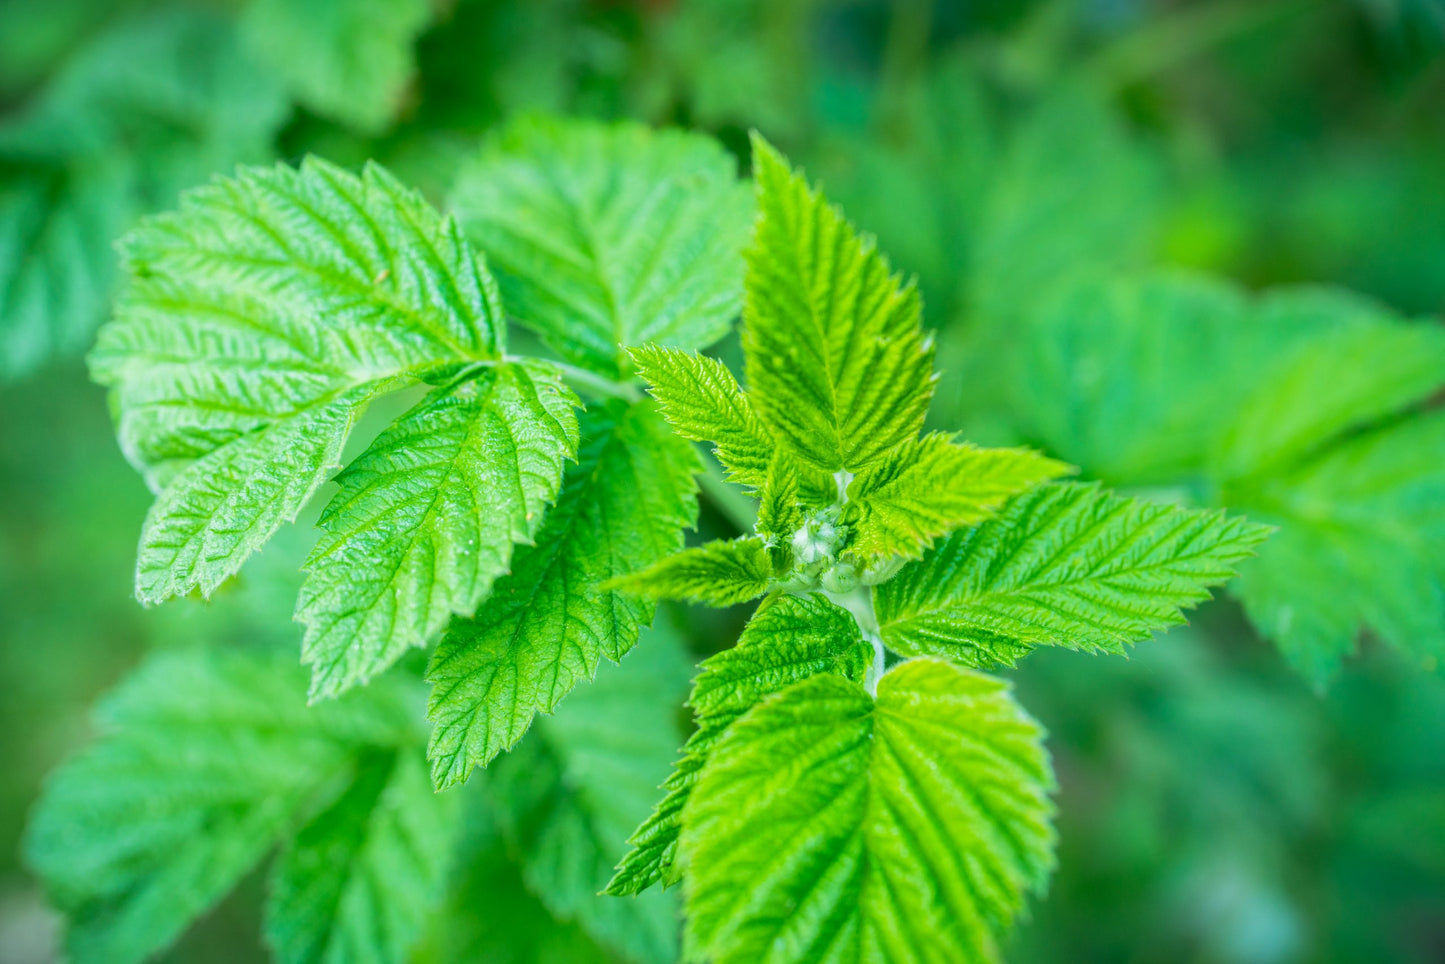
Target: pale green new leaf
column 928, row 487
column 837, row 363
column 1068, row 565
column 425, row 518
column 547, row 626
column 569, row 794
column 257, row 320
column 788, row 639
column 780, row 509
column 605, row 236
column 716, row 573
column 346, row 59
column 702, row 401
column 206, row 760
column 358, row 882
column 828, row 826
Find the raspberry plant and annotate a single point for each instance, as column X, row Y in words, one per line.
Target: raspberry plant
column 857, row 785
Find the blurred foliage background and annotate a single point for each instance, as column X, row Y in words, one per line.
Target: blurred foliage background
column 1216, row 805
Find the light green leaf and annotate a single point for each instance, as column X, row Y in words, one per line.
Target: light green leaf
column 605, row 236
column 425, row 519
column 780, row 508
column 358, row 882
column 716, row 573
column 256, row 321
column 928, row 487
column 828, row 826
column 1064, row 565
column 206, row 760
column 837, row 363
column 701, row 400
column 788, row 639
column 548, row 624
column 346, row 59
column 568, row 795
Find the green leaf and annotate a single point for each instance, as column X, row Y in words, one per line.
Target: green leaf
column 425, row 519
column 701, row 400
column 517, row 928
column 1064, row 565
column 358, row 882
column 716, row 573
column 206, row 761
column 349, row 60
column 928, row 487
column 256, row 321
column 548, row 624
column 1266, row 405
column 605, row 236
column 154, row 103
column 780, row 510
column 837, row 363
column 1362, row 540
column 568, row 796
column 788, row 639
column 828, row 826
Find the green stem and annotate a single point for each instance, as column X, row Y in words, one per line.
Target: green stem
column 859, row 603
column 726, row 497
column 596, row 384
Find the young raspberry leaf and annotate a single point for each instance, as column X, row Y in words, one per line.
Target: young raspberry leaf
column 788, row 639
column 547, row 625
column 1068, row 565
column 256, row 322
column 609, row 235
column 426, row 518
column 828, row 825
column 208, row 760
column 837, row 364
column 928, row 487
column 701, row 400
column 715, row 574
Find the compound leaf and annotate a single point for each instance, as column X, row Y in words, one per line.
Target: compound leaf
column 788, row 639
column 256, row 321
column 425, row 518
column 604, row 236
column 1064, row 565
column 347, row 59
column 837, row 363
column 830, row 826
column 702, row 401
column 548, row 624
column 928, row 487
column 206, row 761
column 716, row 573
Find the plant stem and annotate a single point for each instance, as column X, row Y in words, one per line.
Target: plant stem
column 859, row 602
column 726, row 497
column 596, row 384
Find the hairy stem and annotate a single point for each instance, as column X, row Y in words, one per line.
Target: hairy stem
column 859, row 602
